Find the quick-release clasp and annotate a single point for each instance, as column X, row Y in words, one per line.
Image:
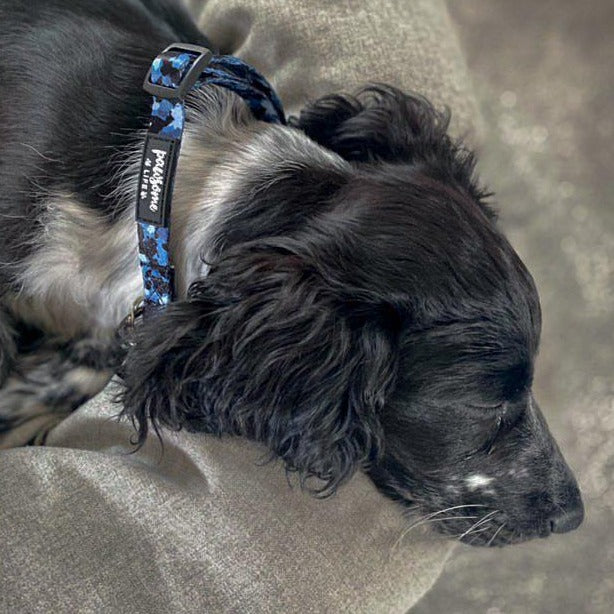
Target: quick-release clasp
column 188, row 80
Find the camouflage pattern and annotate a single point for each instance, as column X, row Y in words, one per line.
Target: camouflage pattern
column 167, row 117
column 155, row 263
column 169, row 67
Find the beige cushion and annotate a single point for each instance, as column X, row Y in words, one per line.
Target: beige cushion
column 313, row 47
column 202, row 526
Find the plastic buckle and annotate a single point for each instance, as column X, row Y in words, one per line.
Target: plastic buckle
column 189, row 79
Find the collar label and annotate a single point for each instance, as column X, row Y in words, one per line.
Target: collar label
column 155, row 179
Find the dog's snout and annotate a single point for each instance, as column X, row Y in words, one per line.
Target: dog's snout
column 563, row 522
column 569, row 516
column 561, row 503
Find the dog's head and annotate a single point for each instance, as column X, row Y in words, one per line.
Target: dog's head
column 362, row 310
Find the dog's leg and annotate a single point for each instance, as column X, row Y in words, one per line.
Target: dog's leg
column 55, row 379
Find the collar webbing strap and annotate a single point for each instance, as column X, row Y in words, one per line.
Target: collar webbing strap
column 172, row 75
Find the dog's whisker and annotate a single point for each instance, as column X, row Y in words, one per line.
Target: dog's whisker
column 492, row 539
column 433, row 514
column 449, row 509
column 431, row 518
column 480, row 522
column 409, row 509
column 425, row 521
column 476, row 531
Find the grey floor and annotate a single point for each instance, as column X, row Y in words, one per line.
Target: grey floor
column 544, row 72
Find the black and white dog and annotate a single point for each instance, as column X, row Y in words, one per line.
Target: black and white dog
column 344, row 294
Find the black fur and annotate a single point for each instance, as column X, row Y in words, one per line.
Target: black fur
column 55, row 68
column 367, row 316
column 8, row 347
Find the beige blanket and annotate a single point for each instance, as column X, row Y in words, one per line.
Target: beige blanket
column 202, row 526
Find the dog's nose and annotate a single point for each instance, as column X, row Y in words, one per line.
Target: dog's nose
column 567, row 521
column 569, row 517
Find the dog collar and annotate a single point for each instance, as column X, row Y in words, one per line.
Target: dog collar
column 172, row 75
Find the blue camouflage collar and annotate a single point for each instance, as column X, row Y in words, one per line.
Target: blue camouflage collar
column 172, row 75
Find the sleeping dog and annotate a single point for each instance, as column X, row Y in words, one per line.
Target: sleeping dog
column 344, row 295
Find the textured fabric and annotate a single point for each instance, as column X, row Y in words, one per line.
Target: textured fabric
column 169, row 68
column 234, row 74
column 167, row 117
column 202, row 526
column 155, row 264
column 308, row 49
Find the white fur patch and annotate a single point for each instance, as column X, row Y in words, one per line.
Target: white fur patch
column 477, row 480
column 84, row 274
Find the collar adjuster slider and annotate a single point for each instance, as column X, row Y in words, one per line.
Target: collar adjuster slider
column 188, row 79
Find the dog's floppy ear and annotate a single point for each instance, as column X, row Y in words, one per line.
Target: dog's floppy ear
column 267, row 348
column 380, row 123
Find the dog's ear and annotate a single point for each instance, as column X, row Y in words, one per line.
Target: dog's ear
column 266, row 347
column 380, row 123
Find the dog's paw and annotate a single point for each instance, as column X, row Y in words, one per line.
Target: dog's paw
column 52, row 381
column 95, row 354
